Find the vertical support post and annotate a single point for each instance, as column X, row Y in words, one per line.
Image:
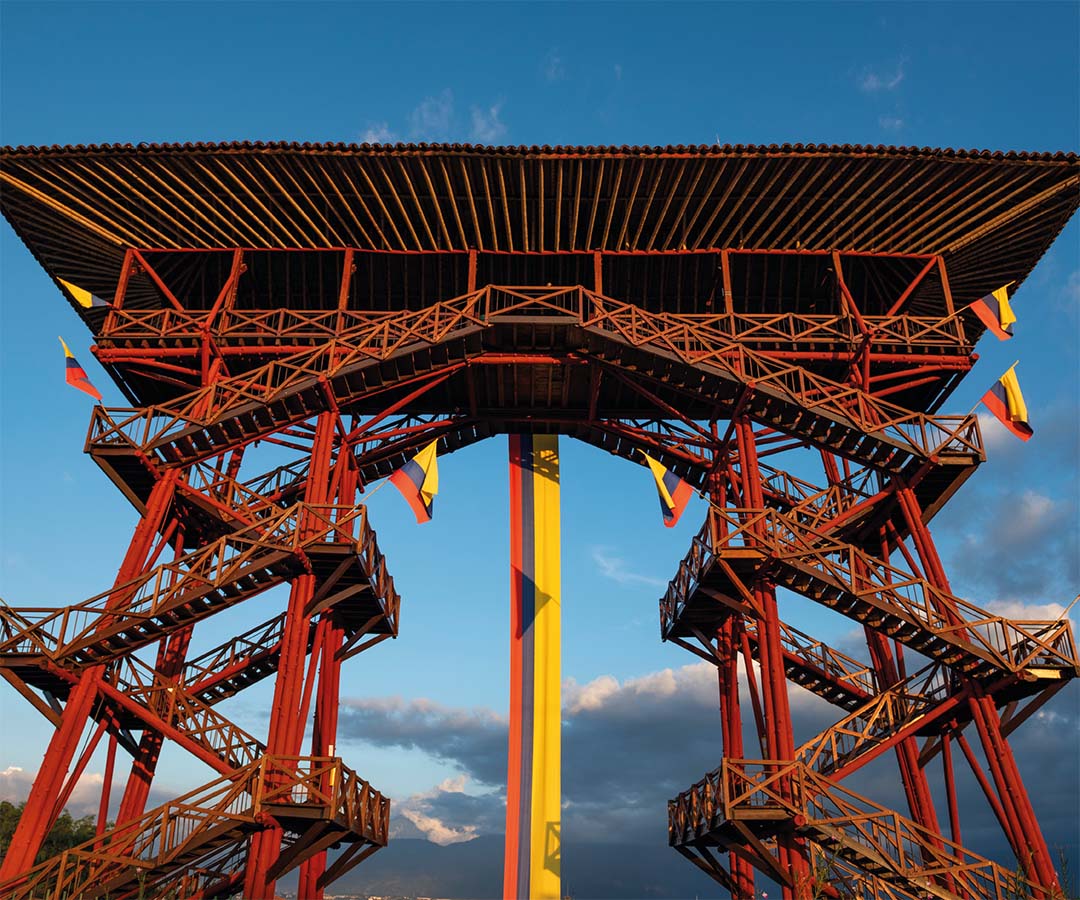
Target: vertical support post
column 729, row 639
column 324, row 728
column 121, row 290
column 471, row 283
column 106, row 787
column 778, row 731
column 725, row 270
column 945, row 285
column 846, row 296
column 598, row 271
column 323, row 738
column 950, row 788
column 286, row 719
column 531, row 863
column 348, row 267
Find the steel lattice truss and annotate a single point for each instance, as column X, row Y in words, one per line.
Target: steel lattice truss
column 353, row 391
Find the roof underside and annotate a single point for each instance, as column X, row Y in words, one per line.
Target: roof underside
column 991, row 216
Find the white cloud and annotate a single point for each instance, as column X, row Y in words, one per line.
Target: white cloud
column 419, row 810
column 554, row 70
column 630, row 745
column 588, row 696
column 487, row 127
column 1071, row 290
column 891, row 123
column 696, row 682
column 617, row 569
column 618, row 71
column 378, row 133
column 1030, row 515
column 1019, row 611
column 15, row 784
column 995, row 435
column 873, row 81
column 433, row 119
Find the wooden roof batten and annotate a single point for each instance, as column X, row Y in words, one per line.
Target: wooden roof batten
column 991, row 215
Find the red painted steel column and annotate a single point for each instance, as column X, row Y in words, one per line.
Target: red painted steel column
column 728, row 644
column 778, row 730
column 106, row 787
column 1028, row 844
column 950, row 788
column 323, row 741
column 39, row 813
column 324, row 729
column 286, row 727
column 172, row 652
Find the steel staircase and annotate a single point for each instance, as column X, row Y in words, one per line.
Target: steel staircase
column 863, row 588
column 197, row 830
column 757, row 798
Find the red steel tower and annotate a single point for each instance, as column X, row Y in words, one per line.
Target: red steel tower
column 713, row 306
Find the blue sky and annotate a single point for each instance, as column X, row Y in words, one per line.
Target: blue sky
column 997, row 76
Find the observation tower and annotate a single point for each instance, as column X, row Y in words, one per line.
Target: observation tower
column 717, row 307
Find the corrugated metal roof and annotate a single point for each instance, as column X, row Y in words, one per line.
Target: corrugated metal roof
column 990, row 214
column 548, row 150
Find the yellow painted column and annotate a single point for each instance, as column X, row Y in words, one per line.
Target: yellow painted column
column 534, row 777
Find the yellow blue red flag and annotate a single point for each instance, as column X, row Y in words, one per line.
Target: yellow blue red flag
column 82, row 296
column 418, row 481
column 995, row 313
column 1006, row 402
column 532, row 853
column 76, row 375
column 673, row 491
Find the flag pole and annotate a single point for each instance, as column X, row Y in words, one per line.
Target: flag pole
column 979, row 403
column 966, row 306
column 1065, row 612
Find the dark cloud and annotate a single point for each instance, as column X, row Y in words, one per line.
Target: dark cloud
column 627, row 749
column 1020, row 545
column 630, row 746
column 1013, row 531
column 448, row 815
column 473, row 739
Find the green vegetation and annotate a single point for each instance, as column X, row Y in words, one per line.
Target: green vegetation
column 67, row 832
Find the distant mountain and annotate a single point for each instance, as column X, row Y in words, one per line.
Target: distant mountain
column 473, row 871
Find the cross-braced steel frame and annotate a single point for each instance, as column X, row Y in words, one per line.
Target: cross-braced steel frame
column 355, row 392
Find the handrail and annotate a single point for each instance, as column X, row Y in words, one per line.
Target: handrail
column 154, row 429
column 234, row 804
column 309, row 324
column 58, row 633
column 857, row 828
column 1011, row 646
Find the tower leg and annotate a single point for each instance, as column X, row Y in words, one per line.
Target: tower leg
column 170, row 661
column 1025, row 837
column 323, row 742
column 728, row 644
column 778, row 733
column 324, row 729
column 40, row 811
column 286, row 711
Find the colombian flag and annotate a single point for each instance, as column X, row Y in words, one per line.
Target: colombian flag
column 532, row 860
column 83, row 297
column 996, row 313
column 674, row 492
column 418, row 481
column 1006, row 402
column 76, row 375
